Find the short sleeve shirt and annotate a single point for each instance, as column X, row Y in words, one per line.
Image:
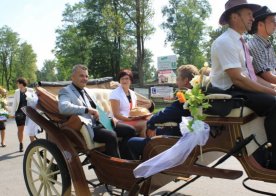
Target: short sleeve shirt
column 264, row 58
column 119, row 95
column 226, row 52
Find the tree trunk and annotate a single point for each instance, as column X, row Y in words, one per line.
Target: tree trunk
column 139, row 61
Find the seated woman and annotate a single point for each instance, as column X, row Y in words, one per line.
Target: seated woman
column 172, row 113
column 123, row 99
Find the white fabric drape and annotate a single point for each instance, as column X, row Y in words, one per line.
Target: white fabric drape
column 31, row 128
column 178, row 153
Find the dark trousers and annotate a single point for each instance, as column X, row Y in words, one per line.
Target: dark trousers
column 108, row 137
column 136, row 146
column 125, row 132
column 263, row 105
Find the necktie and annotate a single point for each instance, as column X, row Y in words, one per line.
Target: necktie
column 249, row 65
column 86, row 100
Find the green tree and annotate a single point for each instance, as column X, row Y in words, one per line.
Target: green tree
column 16, row 59
column 72, row 47
column 150, row 72
column 103, row 35
column 48, row 71
column 139, row 13
column 8, row 49
column 108, row 27
column 26, row 62
column 186, row 29
column 213, row 35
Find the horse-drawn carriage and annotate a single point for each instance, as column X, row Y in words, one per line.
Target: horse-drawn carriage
column 52, row 165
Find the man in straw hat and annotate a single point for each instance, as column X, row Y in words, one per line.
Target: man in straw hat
column 264, row 59
column 232, row 68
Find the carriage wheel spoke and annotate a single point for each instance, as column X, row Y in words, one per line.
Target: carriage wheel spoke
column 39, row 158
column 48, row 188
column 50, row 163
column 40, row 189
column 35, row 180
column 45, row 158
column 54, row 189
column 36, row 163
column 34, row 171
column 45, row 189
column 53, row 173
column 55, row 182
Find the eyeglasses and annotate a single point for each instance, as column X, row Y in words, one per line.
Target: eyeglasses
column 126, row 78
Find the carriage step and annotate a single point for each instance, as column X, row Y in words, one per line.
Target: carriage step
column 204, row 171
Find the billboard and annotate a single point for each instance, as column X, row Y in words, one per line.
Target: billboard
column 165, row 92
column 166, row 76
column 166, row 62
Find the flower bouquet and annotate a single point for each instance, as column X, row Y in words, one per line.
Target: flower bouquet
column 3, row 112
column 195, row 101
column 194, row 132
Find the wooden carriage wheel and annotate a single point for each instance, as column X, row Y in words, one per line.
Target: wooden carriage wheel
column 45, row 171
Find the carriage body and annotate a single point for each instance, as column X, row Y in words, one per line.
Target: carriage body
column 66, row 143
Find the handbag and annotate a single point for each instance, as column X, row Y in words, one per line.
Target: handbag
column 20, row 116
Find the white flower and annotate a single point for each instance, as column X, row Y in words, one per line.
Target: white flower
column 195, row 81
column 185, row 106
column 189, row 91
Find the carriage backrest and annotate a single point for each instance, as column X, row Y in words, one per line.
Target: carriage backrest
column 48, row 103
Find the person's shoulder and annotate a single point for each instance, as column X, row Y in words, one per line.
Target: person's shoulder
column 176, row 103
column 225, row 36
column 173, row 105
column 65, row 89
column 252, row 43
column 255, row 42
column 115, row 91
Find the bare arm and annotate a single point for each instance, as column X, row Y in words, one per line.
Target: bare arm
column 269, row 77
column 115, row 105
column 265, row 83
column 242, row 81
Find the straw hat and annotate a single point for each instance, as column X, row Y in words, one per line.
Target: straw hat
column 232, row 5
column 139, row 111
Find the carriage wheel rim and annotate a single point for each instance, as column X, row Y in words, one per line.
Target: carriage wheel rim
column 40, row 177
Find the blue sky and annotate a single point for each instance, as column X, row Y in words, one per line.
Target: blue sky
column 36, row 21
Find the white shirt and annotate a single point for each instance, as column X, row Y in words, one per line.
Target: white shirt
column 119, row 95
column 226, row 52
column 16, row 100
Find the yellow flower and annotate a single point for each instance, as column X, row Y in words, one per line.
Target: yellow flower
column 206, row 64
column 195, row 81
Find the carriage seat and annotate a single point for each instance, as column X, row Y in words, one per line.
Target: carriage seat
column 244, row 119
column 48, row 103
column 102, row 97
column 235, row 112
